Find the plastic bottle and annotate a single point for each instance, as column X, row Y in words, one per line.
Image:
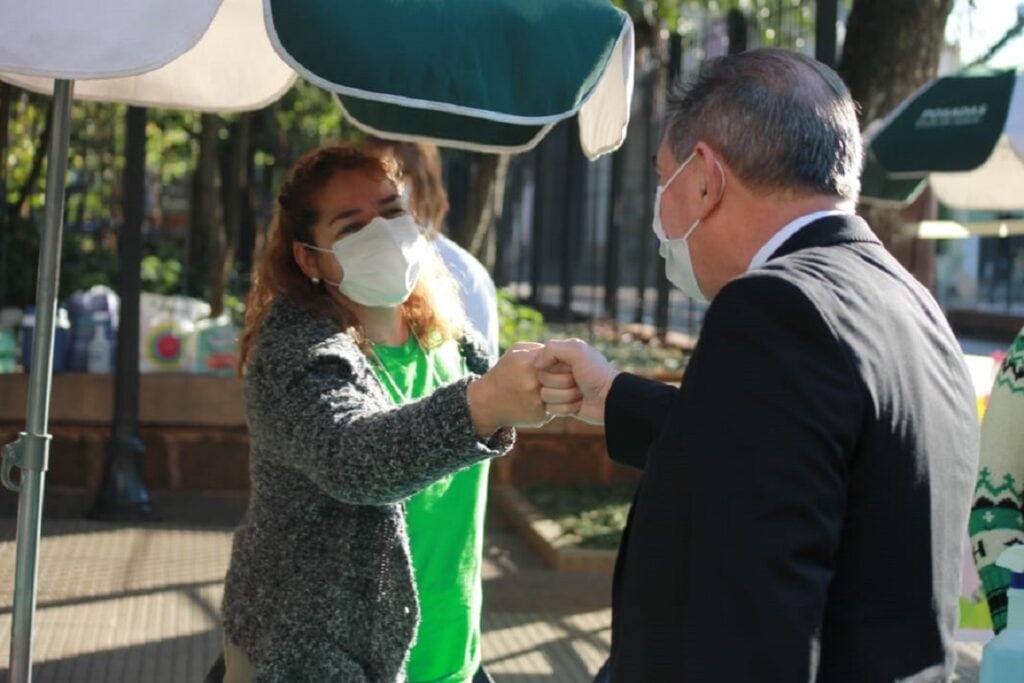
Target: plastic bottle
column 215, row 344
column 61, row 335
column 10, row 320
column 166, row 339
column 1003, row 658
column 8, row 350
column 82, row 306
column 99, row 355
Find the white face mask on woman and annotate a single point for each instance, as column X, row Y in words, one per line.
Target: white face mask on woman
column 381, row 263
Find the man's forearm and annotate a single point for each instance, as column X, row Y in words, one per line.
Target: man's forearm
column 635, row 412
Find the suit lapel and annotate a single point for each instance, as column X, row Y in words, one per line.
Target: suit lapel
column 826, row 232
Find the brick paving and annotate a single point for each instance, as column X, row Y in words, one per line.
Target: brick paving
column 122, row 603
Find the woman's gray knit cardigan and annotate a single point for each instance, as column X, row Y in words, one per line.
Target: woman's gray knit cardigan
column 320, row 586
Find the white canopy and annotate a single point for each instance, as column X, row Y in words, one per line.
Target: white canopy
column 997, row 184
column 232, row 66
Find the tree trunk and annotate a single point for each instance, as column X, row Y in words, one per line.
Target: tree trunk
column 504, row 226
column 234, row 192
column 205, row 220
column 484, row 204
column 892, row 48
column 247, row 228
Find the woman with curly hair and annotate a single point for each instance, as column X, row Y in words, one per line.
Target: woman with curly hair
column 362, row 389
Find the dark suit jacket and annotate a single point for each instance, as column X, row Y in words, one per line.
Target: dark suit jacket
column 805, row 490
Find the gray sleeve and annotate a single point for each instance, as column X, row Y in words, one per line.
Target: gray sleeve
column 317, row 419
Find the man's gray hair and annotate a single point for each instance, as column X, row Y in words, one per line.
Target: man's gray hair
column 781, row 120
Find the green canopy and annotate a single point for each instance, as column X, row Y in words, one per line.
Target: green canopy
column 963, row 134
column 489, row 75
column 881, row 189
column 486, row 74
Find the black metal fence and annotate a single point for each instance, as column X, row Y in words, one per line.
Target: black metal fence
column 575, row 237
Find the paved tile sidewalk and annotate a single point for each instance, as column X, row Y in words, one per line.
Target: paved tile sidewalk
column 124, row 603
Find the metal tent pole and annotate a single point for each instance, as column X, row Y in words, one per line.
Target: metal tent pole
column 31, row 451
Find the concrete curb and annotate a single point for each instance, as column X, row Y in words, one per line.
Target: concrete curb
column 544, row 536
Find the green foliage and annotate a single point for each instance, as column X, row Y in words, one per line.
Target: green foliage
column 19, row 251
column 663, row 11
column 773, row 23
column 517, row 322
column 161, row 276
column 642, row 354
column 589, row 515
column 234, row 306
column 84, row 262
column 171, row 144
column 305, row 118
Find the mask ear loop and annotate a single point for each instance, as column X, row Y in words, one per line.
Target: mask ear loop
column 720, row 195
column 679, row 169
column 722, row 171
column 316, row 280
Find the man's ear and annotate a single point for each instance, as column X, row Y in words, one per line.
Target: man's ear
column 305, row 259
column 712, row 177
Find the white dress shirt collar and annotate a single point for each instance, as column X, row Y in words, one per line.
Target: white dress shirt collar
column 787, row 231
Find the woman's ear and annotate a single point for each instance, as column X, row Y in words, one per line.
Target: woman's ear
column 306, row 260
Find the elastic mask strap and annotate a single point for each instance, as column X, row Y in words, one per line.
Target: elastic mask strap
column 720, row 195
column 690, row 231
column 316, row 248
column 329, row 251
column 678, row 170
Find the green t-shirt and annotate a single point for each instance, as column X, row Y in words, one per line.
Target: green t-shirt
column 445, row 523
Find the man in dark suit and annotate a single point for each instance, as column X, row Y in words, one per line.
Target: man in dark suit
column 805, row 489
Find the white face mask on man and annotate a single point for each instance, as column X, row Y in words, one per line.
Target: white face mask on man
column 676, row 252
column 381, row 263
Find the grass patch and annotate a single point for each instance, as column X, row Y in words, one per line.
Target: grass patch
column 590, row 515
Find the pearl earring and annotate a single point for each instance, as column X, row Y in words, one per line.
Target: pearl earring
column 315, row 280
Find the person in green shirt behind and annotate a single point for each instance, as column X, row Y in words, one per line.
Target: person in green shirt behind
column 446, row 520
column 445, row 526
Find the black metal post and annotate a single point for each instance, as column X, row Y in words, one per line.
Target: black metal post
column 571, row 205
column 662, row 309
column 612, row 266
column 825, row 17
column 736, row 31
column 650, row 180
column 123, row 493
column 6, row 95
column 537, row 231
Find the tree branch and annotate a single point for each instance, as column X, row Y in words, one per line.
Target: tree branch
column 39, row 154
column 1014, row 31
